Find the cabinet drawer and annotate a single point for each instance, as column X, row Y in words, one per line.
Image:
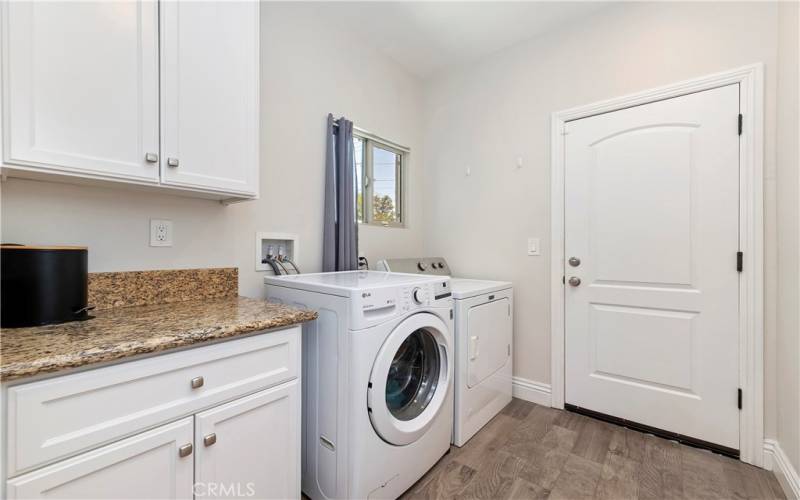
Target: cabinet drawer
column 59, row 417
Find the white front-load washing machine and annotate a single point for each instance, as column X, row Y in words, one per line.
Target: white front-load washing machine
column 484, row 343
column 377, row 379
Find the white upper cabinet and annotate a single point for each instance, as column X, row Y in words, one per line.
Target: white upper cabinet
column 209, row 95
column 139, row 91
column 80, row 87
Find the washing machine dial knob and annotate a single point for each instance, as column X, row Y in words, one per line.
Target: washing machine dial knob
column 419, row 295
column 422, row 266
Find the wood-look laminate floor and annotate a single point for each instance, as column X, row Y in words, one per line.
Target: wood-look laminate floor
column 530, row 451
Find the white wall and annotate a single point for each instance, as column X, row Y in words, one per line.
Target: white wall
column 308, row 70
column 115, row 224
column 486, row 115
column 787, row 367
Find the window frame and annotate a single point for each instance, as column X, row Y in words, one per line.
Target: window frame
column 369, row 141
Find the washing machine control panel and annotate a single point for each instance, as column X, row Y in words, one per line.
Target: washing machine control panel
column 424, row 295
column 378, row 304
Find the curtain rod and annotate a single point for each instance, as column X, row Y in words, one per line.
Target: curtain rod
column 369, row 135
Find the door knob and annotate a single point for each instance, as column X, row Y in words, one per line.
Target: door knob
column 197, row 382
column 172, row 162
column 151, row 157
column 574, row 261
column 210, row 439
column 185, row 450
column 574, row 281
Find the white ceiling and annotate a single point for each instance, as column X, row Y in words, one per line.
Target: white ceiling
column 426, row 37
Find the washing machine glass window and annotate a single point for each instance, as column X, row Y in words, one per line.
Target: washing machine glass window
column 410, row 379
column 413, row 375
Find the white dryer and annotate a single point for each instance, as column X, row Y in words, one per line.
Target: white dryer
column 377, row 379
column 484, row 312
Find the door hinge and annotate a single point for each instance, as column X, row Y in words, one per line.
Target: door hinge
column 563, row 280
column 740, row 123
column 739, row 261
column 451, row 314
column 739, row 398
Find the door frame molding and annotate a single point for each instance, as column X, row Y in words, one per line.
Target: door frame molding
column 751, row 238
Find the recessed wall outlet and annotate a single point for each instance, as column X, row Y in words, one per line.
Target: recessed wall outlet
column 533, row 246
column 160, row 233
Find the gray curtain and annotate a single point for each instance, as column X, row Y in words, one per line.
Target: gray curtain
column 340, row 233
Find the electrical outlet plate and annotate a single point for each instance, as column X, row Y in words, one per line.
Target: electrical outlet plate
column 160, row 233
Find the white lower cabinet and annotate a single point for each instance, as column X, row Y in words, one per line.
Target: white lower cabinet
column 237, row 457
column 148, row 465
column 222, row 421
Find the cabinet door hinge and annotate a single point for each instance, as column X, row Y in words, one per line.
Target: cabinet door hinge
column 740, row 123
column 739, row 261
column 563, row 280
column 739, row 398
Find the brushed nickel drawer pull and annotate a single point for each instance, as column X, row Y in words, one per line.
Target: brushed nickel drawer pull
column 197, row 382
column 327, row 443
column 185, row 450
column 210, row 439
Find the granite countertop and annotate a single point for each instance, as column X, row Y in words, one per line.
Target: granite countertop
column 122, row 332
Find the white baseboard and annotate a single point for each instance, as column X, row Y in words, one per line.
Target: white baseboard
column 777, row 461
column 535, row 392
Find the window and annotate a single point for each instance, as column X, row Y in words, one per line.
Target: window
column 379, row 178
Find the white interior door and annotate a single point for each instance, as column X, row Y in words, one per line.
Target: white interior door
column 652, row 213
column 209, row 95
column 80, row 83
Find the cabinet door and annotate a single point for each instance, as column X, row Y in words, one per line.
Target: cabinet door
column 80, row 87
column 210, row 85
column 147, row 465
column 251, row 446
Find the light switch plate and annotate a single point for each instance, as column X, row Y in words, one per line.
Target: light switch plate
column 534, row 247
column 160, row 233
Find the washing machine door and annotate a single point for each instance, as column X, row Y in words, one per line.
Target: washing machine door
column 410, row 379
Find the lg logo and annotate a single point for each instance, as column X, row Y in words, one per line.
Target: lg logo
column 364, row 295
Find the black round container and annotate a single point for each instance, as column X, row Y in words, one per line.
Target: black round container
column 42, row 285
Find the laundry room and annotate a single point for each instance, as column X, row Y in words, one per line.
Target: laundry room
column 399, row 249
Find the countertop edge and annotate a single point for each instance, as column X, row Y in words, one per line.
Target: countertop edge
column 51, row 366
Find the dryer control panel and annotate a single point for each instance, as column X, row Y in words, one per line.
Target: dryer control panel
column 436, row 266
